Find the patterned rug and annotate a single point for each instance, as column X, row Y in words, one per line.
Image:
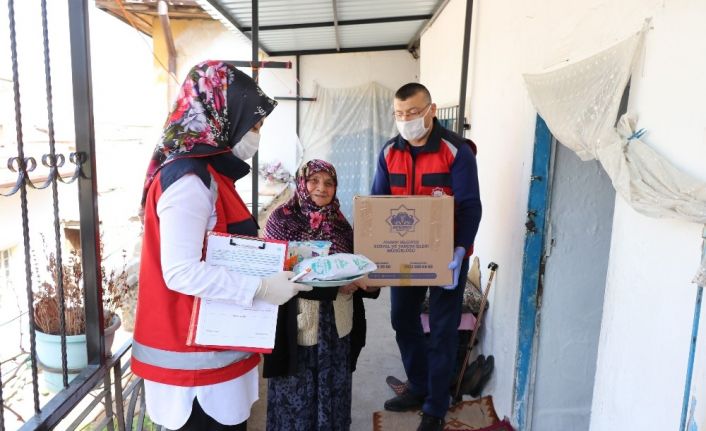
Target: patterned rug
column 474, row 415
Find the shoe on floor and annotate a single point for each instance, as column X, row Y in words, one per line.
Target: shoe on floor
column 404, row 402
column 483, row 376
column 430, row 423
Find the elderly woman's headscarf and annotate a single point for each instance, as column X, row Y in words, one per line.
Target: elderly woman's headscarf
column 300, row 219
column 216, row 106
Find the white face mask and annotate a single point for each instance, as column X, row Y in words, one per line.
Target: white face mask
column 248, row 145
column 413, row 129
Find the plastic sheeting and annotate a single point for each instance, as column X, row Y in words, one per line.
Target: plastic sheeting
column 348, row 127
column 580, row 102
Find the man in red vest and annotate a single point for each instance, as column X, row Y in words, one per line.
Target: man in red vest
column 190, row 189
column 427, row 159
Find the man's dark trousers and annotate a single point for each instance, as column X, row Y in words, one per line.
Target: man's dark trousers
column 429, row 363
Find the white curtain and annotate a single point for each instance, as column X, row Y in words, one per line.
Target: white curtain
column 347, row 127
column 579, row 103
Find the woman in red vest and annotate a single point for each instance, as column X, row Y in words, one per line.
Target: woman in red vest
column 189, row 190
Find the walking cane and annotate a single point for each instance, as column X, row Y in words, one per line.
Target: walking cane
column 493, row 267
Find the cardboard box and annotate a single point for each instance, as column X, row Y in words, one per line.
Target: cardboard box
column 410, row 238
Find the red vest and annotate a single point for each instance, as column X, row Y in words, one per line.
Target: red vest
column 429, row 173
column 159, row 351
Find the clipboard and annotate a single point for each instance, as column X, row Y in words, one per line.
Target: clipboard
column 223, row 325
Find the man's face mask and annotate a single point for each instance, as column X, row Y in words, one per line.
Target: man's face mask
column 413, row 129
column 248, row 145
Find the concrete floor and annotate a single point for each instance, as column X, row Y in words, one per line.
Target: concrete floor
column 379, row 359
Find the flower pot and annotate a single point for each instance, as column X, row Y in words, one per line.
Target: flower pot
column 109, row 333
column 49, row 358
column 49, row 354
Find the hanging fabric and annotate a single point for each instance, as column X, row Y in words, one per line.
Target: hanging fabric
column 347, row 127
column 580, row 102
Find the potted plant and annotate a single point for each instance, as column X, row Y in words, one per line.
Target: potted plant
column 47, row 312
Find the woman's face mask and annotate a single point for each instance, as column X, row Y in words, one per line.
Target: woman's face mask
column 413, row 129
column 248, row 146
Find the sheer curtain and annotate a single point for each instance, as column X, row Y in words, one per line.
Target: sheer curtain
column 348, row 127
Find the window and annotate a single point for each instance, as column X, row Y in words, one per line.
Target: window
column 72, row 233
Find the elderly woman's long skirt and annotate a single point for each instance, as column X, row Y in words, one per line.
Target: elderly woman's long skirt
column 318, row 397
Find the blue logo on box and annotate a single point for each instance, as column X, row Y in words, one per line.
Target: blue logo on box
column 402, row 220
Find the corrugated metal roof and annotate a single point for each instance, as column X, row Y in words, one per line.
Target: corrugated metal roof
column 361, row 9
column 317, row 26
column 302, row 39
column 393, row 33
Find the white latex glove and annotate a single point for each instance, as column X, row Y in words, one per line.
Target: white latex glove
column 277, row 289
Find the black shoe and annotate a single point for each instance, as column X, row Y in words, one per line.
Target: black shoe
column 483, row 374
column 471, row 370
column 404, row 402
column 430, row 423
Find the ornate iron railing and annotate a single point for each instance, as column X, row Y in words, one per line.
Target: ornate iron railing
column 105, row 383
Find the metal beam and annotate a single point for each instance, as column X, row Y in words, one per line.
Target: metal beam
column 335, row 24
column 297, row 58
column 87, row 186
column 464, row 68
column 262, row 64
column 347, row 22
column 343, row 50
column 303, row 99
column 255, row 159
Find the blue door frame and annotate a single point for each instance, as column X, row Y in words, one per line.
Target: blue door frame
column 530, row 293
column 537, row 206
column 692, row 350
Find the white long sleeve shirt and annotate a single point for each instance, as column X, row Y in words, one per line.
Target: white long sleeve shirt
column 186, row 211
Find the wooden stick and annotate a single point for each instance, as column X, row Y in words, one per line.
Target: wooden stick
column 493, row 267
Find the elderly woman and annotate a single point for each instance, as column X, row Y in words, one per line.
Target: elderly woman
column 319, row 333
column 189, row 190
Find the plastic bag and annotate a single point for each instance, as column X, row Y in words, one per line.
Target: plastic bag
column 337, row 266
column 297, row 251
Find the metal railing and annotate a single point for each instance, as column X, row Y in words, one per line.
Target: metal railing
column 108, row 401
column 448, row 117
column 122, row 395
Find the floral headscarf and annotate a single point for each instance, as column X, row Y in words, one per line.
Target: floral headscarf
column 216, row 106
column 300, row 219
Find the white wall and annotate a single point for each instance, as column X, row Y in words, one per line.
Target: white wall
column 441, row 51
column 649, row 296
column 391, row 69
column 649, row 300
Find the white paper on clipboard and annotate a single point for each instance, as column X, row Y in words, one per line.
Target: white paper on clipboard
column 226, row 325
